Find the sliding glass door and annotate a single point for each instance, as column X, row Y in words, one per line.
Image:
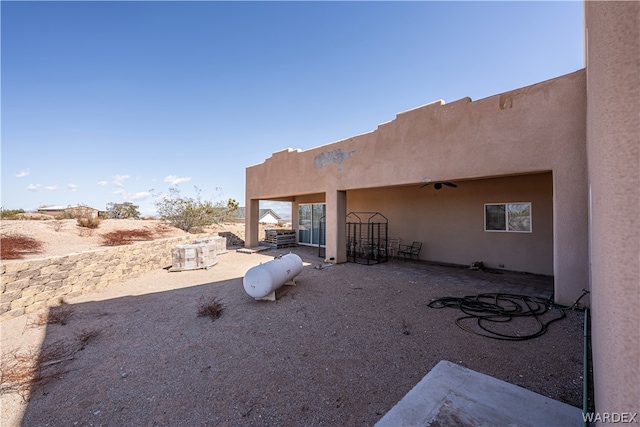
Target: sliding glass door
column 309, row 230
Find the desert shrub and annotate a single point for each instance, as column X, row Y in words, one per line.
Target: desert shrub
column 86, row 335
column 27, row 216
column 211, row 307
column 17, row 372
column 56, row 315
column 65, row 215
column 22, row 370
column 57, row 225
column 192, row 215
column 11, row 213
column 88, row 221
column 60, row 314
column 125, row 237
column 14, row 246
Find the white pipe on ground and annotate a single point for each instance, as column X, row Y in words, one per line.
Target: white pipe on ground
column 262, row 280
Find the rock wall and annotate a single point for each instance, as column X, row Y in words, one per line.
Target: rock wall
column 32, row 285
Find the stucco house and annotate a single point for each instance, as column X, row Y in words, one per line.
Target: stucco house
column 545, row 179
column 265, row 216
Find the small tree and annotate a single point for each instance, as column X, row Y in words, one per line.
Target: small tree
column 192, row 215
column 123, row 210
column 232, row 206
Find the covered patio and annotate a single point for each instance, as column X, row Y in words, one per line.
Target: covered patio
column 520, row 148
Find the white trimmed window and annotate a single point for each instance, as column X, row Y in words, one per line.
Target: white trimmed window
column 512, row 217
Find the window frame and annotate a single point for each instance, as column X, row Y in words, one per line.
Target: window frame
column 507, row 226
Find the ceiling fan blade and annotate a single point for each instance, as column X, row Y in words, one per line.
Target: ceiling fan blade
column 438, row 185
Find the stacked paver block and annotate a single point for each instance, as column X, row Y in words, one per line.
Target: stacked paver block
column 279, row 238
column 194, row 256
column 219, row 242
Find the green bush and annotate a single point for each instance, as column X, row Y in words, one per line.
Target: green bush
column 123, row 210
column 10, row 213
column 192, row 215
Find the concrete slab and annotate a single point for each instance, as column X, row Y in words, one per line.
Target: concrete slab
column 253, row 250
column 452, row 395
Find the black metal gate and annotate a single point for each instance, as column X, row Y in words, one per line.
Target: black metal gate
column 367, row 241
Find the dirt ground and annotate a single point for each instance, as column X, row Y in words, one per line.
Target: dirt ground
column 338, row 349
column 62, row 237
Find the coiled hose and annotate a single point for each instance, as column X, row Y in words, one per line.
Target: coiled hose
column 493, row 308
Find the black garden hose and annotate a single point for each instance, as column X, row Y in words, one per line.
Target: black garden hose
column 494, row 308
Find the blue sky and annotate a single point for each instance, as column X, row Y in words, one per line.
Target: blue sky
column 118, row 101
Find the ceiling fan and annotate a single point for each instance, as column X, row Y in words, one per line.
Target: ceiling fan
column 438, row 185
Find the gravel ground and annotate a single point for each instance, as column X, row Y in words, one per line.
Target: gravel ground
column 339, row 349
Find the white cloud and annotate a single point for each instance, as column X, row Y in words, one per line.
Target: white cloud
column 119, row 180
column 102, row 183
column 140, row 195
column 38, row 187
column 173, row 180
column 72, row 187
column 22, row 173
column 132, row 197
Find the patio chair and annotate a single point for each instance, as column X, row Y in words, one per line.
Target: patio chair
column 394, row 247
column 410, row 251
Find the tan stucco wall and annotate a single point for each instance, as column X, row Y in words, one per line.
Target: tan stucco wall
column 528, row 130
column 613, row 141
column 450, row 222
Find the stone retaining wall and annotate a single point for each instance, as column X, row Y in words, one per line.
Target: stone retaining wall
column 32, row 285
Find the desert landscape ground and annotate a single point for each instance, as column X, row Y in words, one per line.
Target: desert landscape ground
column 338, row 349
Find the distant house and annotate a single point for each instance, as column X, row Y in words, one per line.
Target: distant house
column 71, row 211
column 266, row 216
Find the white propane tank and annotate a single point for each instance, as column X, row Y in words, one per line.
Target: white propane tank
column 263, row 279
